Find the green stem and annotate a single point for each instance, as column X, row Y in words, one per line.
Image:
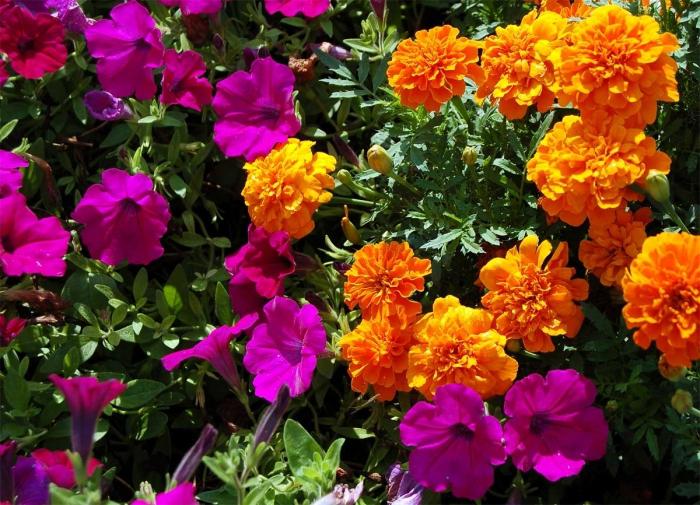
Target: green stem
column 671, row 210
column 462, row 111
column 403, row 182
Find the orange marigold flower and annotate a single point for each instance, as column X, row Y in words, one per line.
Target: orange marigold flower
column 615, row 237
column 286, row 187
column 430, row 70
column 381, row 280
column 515, row 71
column 577, row 9
column 617, row 62
column 377, row 353
column 582, row 166
column 533, row 301
column 456, row 345
column 662, row 291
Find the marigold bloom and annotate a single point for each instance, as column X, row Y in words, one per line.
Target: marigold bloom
column 615, row 237
column 617, row 62
column 582, row 166
column 566, row 9
column 381, row 280
column 533, row 301
column 430, row 70
column 457, row 345
column 377, row 353
column 286, row 187
column 515, row 72
column 662, row 291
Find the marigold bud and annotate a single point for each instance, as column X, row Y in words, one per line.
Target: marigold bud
column 682, row 401
column 469, row 156
column 513, row 345
column 379, row 160
column 657, row 186
column 345, row 177
column 670, row 372
column 349, row 229
column 611, row 406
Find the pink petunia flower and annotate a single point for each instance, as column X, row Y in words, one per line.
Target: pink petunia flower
column 10, row 176
column 309, row 8
column 4, row 76
column 193, row 7
column 183, row 83
column 553, row 426
column 59, row 467
column 10, row 329
column 255, row 110
column 455, row 444
column 29, row 245
column 284, row 348
column 124, row 219
column 182, row 494
column 215, row 349
column 7, row 461
column 258, row 269
column 128, row 47
column 86, row 397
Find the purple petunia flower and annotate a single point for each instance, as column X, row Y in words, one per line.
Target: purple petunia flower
column 255, row 110
column 215, row 349
column 309, row 8
column 7, row 461
column 342, row 494
column 284, row 349
column 70, row 14
column 182, row 494
column 192, row 7
column 183, row 83
column 104, row 106
column 553, row 426
column 29, row 245
column 128, row 47
column 124, row 218
column 258, row 269
column 10, row 175
column 86, row 398
column 455, row 444
column 403, row 489
column 31, row 482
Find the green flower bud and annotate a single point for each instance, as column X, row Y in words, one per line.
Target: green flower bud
column 682, row 401
column 349, row 230
column 379, row 160
column 657, row 186
column 469, row 155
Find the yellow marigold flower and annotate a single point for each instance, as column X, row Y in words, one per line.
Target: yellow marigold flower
column 662, row 291
column 377, row 355
column 533, row 301
column 286, row 187
column 382, row 279
column 619, row 63
column 577, row 9
column 456, row 345
column 582, row 166
column 615, row 237
column 515, row 71
column 430, row 70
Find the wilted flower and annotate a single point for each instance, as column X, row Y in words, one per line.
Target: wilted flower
column 255, row 110
column 670, row 372
column 182, row 494
column 10, row 329
column 191, row 460
column 554, row 427
column 128, row 47
column 59, row 467
column 402, row 488
column 104, row 106
column 284, row 348
column 309, row 8
column 337, row 52
column 183, row 82
column 124, row 218
column 10, row 175
column 455, row 444
column 192, row 7
column 29, row 245
column 342, row 494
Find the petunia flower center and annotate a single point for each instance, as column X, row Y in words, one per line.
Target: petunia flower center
column 129, row 206
column 26, row 46
column 538, row 423
column 6, row 244
column 461, row 430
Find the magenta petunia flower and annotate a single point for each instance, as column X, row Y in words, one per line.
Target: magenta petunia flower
column 104, row 106
column 553, row 426
column 10, row 175
column 193, row 7
column 128, row 47
column 10, row 329
column 4, row 76
column 31, row 482
column 59, row 467
column 215, row 349
column 86, row 398
column 255, row 110
column 29, row 245
column 183, row 83
column 455, row 444
column 70, row 14
column 284, row 348
column 7, row 461
column 182, row 494
column 258, row 269
column 309, row 8
column 124, row 218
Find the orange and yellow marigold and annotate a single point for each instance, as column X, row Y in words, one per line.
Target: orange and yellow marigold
column 285, row 188
column 615, row 237
column 531, row 298
column 377, row 355
column 457, row 345
column 567, row 9
column 662, row 291
column 430, row 70
column 582, row 166
column 382, row 279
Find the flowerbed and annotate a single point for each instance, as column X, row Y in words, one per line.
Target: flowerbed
column 339, row 252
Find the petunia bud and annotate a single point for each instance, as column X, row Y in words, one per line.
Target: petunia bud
column 379, row 7
column 345, row 150
column 657, row 186
column 349, row 229
column 682, row 401
column 379, row 160
column 272, row 417
column 469, row 156
column 670, row 372
column 191, row 460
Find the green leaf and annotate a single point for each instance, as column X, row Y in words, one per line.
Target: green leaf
column 300, row 446
column 332, row 458
column 140, row 284
column 441, row 240
column 653, row 444
column 7, row 129
column 173, row 298
column 178, row 186
column 139, row 393
column 16, row 390
column 222, row 305
column 601, row 323
column 151, row 425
